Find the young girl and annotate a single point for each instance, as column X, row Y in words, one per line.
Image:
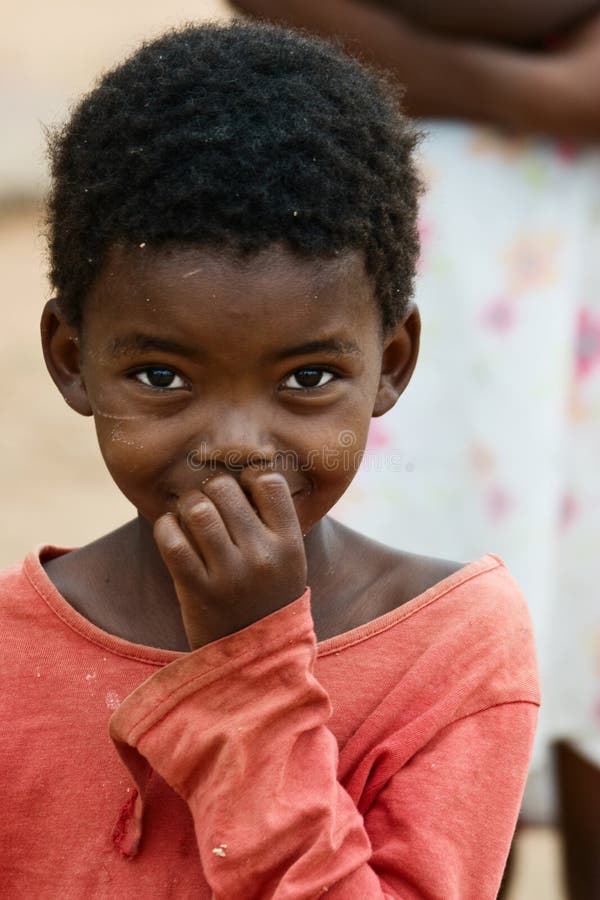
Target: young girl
column 232, row 695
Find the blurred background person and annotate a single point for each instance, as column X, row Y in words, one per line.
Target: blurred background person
column 531, row 66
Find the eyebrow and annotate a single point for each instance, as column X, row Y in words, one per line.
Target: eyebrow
column 130, row 344
column 331, row 345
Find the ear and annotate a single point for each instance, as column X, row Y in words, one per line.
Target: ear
column 60, row 343
column 400, row 352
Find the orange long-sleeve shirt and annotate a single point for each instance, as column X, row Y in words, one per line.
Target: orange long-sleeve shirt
column 386, row 762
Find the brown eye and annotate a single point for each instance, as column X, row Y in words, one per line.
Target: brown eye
column 157, row 377
column 306, row 379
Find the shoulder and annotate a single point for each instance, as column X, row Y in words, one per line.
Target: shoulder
column 391, row 576
column 412, row 574
column 476, row 626
column 484, row 585
column 480, row 597
column 472, row 617
column 482, row 592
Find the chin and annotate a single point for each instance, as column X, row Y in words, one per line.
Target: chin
column 309, row 518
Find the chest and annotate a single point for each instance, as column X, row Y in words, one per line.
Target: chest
column 56, row 746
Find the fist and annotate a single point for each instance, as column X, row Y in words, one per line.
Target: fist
column 233, row 560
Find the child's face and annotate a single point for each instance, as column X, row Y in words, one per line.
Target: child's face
column 193, row 361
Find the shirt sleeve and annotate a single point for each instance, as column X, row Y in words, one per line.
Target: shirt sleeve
column 239, row 729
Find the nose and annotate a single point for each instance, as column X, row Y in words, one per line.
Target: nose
column 234, row 439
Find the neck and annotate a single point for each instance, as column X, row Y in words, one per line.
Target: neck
column 152, row 601
column 322, row 545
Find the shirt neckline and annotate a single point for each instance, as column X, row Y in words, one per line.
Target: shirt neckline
column 45, row 588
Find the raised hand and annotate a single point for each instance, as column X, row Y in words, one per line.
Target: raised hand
column 232, row 560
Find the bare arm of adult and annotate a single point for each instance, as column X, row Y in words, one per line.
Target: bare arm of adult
column 555, row 93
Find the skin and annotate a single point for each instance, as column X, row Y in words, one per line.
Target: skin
column 507, row 21
column 555, row 92
column 232, row 448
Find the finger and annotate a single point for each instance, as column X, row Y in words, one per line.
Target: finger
column 274, row 503
column 241, row 520
column 202, row 521
column 180, row 558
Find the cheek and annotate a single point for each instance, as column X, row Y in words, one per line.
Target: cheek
column 122, row 443
column 137, row 454
column 339, row 456
column 330, row 468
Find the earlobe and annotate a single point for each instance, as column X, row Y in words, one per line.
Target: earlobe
column 401, row 349
column 60, row 343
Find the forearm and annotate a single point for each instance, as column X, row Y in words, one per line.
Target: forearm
column 536, row 93
column 435, row 72
column 448, row 78
column 239, row 729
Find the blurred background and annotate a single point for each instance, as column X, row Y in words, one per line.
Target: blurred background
column 500, row 433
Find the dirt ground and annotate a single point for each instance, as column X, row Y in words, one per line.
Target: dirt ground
column 53, row 484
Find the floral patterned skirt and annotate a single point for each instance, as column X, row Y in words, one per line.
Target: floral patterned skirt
column 495, row 445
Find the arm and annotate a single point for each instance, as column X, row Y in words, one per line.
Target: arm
column 442, row 827
column 239, row 729
column 556, row 93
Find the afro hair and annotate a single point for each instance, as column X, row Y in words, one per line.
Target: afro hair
column 236, row 136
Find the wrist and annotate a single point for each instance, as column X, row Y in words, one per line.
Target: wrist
column 214, row 625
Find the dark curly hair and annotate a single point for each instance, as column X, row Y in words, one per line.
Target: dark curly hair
column 236, row 136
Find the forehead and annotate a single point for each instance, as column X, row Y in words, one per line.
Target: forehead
column 195, row 290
